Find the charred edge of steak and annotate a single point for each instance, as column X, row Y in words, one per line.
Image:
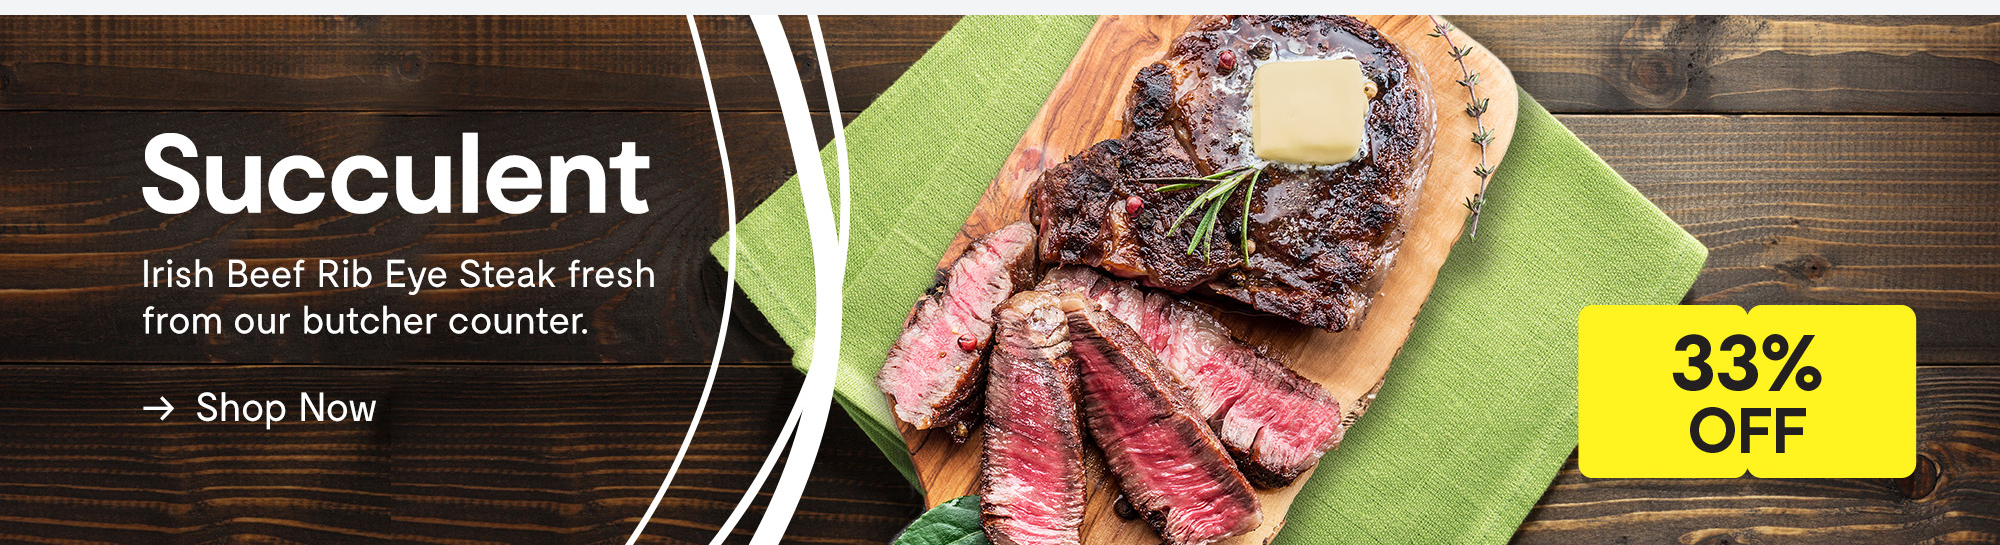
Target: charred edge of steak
column 1072, row 210
column 1032, row 428
column 1163, row 150
column 1263, row 476
column 1158, row 421
column 962, row 413
column 935, row 372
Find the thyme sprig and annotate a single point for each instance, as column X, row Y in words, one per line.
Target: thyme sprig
column 1221, row 184
column 1476, row 108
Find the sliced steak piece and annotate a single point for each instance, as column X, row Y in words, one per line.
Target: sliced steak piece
column 1324, row 236
column 937, row 367
column 1172, row 468
column 1032, row 466
column 1275, row 423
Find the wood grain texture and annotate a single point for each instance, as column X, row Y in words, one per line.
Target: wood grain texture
column 1831, row 210
column 1950, row 497
column 1737, row 64
column 1089, row 104
column 460, row 454
column 1570, row 64
column 432, row 63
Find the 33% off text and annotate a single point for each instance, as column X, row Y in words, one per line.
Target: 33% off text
column 1739, row 428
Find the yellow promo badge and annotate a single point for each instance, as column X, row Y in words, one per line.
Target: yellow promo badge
column 1780, row 391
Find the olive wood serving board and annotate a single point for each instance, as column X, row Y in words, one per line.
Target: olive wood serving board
column 1088, row 105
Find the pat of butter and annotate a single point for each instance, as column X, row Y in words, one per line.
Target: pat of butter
column 1308, row 112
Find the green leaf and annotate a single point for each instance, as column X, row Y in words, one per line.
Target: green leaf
column 955, row 522
column 972, row 539
column 1483, row 137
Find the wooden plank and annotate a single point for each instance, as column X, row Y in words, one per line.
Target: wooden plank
column 507, row 454
column 74, row 230
column 1572, row 64
column 1088, row 105
column 432, row 63
column 1948, row 499
column 1868, row 64
column 1830, row 210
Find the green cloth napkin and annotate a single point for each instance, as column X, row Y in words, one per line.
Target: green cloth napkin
column 1479, row 410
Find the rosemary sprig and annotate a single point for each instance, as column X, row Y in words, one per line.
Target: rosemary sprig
column 1476, row 108
column 1221, row 184
column 1247, row 245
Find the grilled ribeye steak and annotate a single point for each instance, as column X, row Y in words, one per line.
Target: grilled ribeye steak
column 937, row 366
column 1323, row 237
column 1275, row 423
column 1032, row 466
column 1171, row 466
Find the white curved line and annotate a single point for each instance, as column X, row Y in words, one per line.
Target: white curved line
column 833, row 113
column 728, row 289
column 829, row 278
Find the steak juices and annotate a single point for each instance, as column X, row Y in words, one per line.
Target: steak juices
column 1109, row 350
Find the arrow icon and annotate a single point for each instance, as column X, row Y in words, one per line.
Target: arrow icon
column 163, row 406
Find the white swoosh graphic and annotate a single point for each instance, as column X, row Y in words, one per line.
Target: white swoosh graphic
column 728, row 290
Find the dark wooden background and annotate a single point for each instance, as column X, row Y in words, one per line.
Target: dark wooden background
column 1821, row 159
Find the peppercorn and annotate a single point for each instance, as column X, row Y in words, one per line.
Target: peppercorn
column 1262, row 51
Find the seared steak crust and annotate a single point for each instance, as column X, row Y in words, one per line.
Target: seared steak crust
column 1032, row 463
column 1171, row 466
column 937, row 367
column 1275, row 423
column 1324, row 236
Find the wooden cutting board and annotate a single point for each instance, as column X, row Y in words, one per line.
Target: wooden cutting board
column 1087, row 106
